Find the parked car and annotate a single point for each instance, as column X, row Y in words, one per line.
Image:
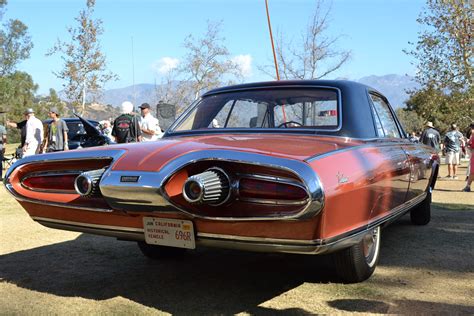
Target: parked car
column 83, row 133
column 250, row 167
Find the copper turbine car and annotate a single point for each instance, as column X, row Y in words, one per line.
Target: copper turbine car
column 307, row 167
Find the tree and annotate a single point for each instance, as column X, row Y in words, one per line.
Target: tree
column 442, row 108
column 314, row 56
column 3, row 3
column 17, row 92
column 15, row 43
column 444, row 49
column 207, row 61
column 444, row 57
column 45, row 103
column 410, row 120
column 85, row 67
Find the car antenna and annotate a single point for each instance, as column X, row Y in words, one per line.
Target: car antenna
column 271, row 40
column 274, row 55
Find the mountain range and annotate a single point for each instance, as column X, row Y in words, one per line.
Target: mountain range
column 393, row 86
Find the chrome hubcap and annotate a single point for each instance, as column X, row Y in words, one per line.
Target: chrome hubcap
column 370, row 246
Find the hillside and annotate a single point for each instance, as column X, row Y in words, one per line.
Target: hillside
column 139, row 94
column 393, row 86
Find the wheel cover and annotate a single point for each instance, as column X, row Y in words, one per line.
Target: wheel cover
column 371, row 245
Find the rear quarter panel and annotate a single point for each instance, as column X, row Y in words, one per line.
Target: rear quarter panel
column 361, row 184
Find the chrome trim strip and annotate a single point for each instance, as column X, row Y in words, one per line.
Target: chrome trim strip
column 398, row 211
column 148, row 193
column 110, row 231
column 88, row 225
column 310, row 247
column 369, row 143
column 272, row 202
column 261, row 239
column 21, row 198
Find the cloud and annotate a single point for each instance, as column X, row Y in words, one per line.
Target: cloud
column 165, row 65
column 244, row 62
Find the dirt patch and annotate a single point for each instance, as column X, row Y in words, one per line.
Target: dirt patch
column 426, row 269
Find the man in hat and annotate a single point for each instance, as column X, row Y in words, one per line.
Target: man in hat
column 126, row 127
column 56, row 133
column 34, row 134
column 149, row 125
column 431, row 136
column 452, row 145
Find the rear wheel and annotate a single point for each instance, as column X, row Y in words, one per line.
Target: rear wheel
column 159, row 252
column 421, row 214
column 357, row 263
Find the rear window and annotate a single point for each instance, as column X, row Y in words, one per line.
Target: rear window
column 295, row 108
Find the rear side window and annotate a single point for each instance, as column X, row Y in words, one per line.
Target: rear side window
column 384, row 120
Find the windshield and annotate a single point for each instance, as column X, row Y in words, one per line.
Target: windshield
column 296, row 108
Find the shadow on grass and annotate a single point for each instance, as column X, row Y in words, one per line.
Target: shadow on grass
column 399, row 306
column 446, row 243
column 456, row 207
column 207, row 281
column 213, row 281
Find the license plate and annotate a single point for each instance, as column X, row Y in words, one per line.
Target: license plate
column 169, row 232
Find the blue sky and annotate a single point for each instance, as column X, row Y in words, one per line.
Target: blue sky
column 376, row 31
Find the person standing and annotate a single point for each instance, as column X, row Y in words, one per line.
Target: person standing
column 56, row 137
column 431, row 136
column 34, row 134
column 452, row 146
column 126, row 127
column 149, row 125
column 106, row 129
column 22, row 127
column 3, row 142
column 470, row 168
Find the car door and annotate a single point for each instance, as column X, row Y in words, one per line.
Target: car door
column 397, row 178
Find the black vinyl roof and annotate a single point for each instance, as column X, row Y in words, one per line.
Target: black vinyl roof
column 357, row 115
column 340, row 84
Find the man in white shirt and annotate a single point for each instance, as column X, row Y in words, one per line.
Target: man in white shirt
column 149, row 125
column 34, row 134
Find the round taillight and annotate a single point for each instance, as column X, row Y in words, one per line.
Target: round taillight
column 83, row 184
column 87, row 183
column 209, row 187
column 193, row 190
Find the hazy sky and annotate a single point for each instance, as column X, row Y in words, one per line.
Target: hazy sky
column 376, row 31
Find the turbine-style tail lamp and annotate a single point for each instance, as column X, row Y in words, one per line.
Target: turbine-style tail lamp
column 209, row 187
column 87, row 183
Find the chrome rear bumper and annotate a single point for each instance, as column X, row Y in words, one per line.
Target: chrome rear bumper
column 255, row 244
